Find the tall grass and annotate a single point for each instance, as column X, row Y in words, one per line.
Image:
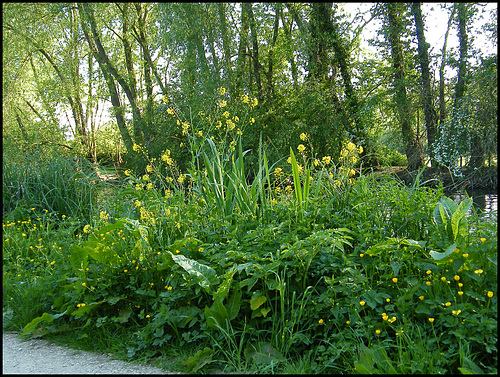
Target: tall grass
column 62, row 184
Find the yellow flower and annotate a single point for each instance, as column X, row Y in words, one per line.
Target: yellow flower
column 148, row 316
column 361, row 255
column 483, row 239
column 456, row 250
column 385, row 317
column 83, row 284
column 456, row 277
column 177, row 251
column 388, row 299
column 86, row 229
column 252, row 120
column 360, row 149
column 428, row 272
column 456, row 312
column 428, row 283
column 320, row 321
column 222, row 103
column 316, row 162
column 377, row 332
column 351, row 146
column 236, row 119
column 478, row 272
column 149, row 168
column 490, row 294
column 181, row 178
column 362, row 303
column 460, row 293
column 138, row 187
column 460, row 285
column 255, row 102
column 165, row 98
column 421, row 297
column 303, row 136
column 221, row 90
column 443, row 278
column 125, row 271
column 145, row 177
column 431, row 320
column 103, row 215
column 465, row 255
column 448, row 304
column 149, row 186
column 348, row 322
column 326, row 160
column 394, row 280
column 136, row 147
column 127, row 172
column 137, row 203
column 170, row 111
column 226, row 114
column 301, row 148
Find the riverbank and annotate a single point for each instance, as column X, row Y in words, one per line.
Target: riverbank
column 484, row 179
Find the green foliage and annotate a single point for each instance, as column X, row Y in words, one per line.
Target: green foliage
column 61, row 184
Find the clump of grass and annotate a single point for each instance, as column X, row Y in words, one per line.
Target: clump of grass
column 61, row 184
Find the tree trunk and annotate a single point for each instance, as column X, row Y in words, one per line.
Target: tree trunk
column 255, row 51
column 242, row 47
column 423, row 56
column 413, row 148
column 442, row 102
column 88, row 13
column 115, row 98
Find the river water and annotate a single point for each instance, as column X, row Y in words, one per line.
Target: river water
column 484, row 201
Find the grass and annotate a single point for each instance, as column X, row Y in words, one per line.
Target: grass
column 310, row 268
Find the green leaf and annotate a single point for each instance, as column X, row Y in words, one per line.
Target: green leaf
column 87, row 308
column 234, row 304
column 257, row 300
column 45, row 317
column 438, row 256
column 79, row 257
column 459, row 223
column 205, row 276
column 199, row 359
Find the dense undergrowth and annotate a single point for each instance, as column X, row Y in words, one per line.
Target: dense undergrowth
column 309, row 267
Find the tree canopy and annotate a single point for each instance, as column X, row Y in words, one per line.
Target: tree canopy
column 98, row 78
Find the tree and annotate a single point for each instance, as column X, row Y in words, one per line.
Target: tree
column 393, row 30
column 427, row 97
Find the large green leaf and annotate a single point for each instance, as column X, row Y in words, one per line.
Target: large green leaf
column 45, row 317
column 459, row 223
column 204, row 275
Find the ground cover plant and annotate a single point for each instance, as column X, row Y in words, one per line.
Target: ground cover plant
column 306, row 264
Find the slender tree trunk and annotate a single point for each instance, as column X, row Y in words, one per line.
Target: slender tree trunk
column 242, row 47
column 429, row 110
column 442, row 102
column 87, row 13
column 226, row 49
column 413, row 148
column 269, row 73
column 114, row 96
column 255, row 52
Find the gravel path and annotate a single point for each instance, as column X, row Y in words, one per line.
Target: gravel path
column 38, row 356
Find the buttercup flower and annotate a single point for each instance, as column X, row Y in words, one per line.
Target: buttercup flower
column 301, row 148
column 320, row 321
column 362, row 303
column 490, row 294
column 431, row 320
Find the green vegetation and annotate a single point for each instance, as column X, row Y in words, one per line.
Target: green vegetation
column 197, row 184
column 312, row 265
